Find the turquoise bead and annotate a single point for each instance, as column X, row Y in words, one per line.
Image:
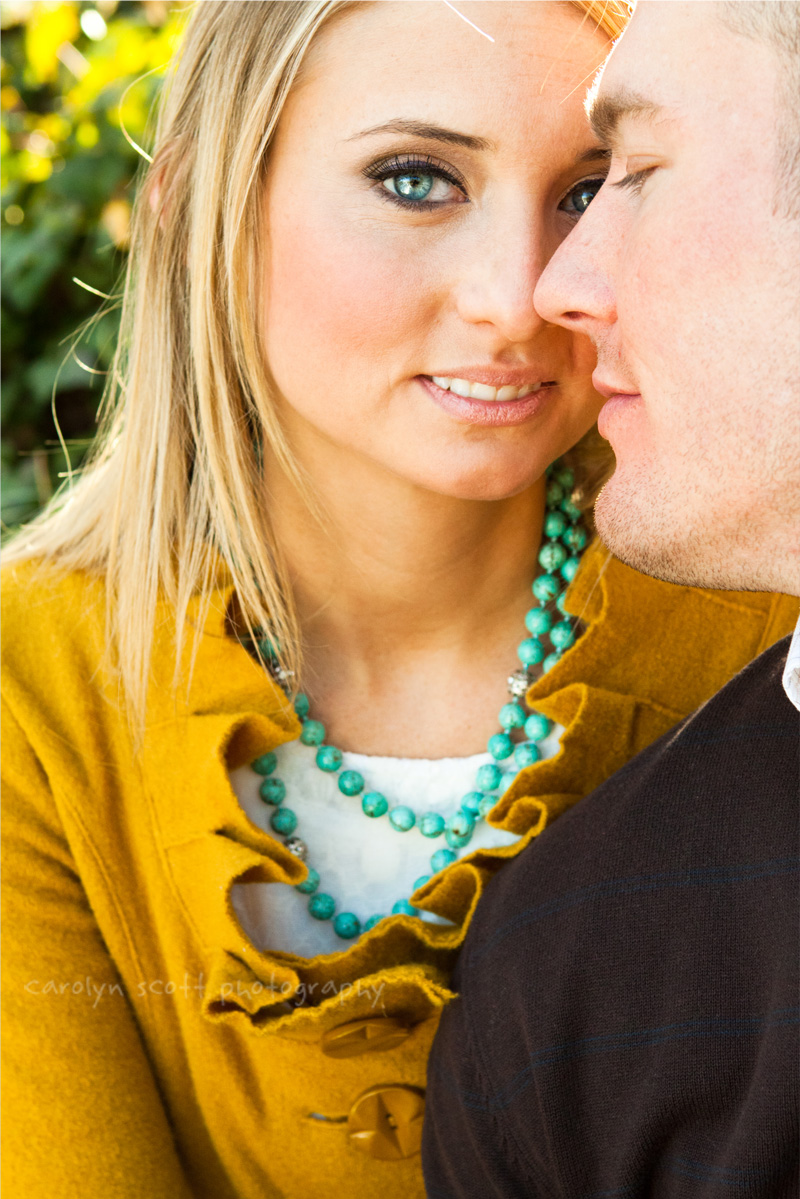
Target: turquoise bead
column 420, row 882
column 546, row 588
column 564, row 476
column 526, row 754
column 571, row 510
column 563, row 596
column 509, row 777
column 283, row 821
column 537, row 727
column 351, row 782
column 576, row 538
column 550, row 662
column 488, row 777
column 562, row 634
column 269, row 647
column 265, row 764
column 403, row 908
column 374, row 804
column 312, row 733
column 402, row 818
column 441, row 859
column 554, row 494
column 459, row 830
column 373, row 920
column 511, row 716
column 500, row 746
column 431, row 824
column 554, row 524
column 272, row 791
column 471, row 802
column 530, row 651
column 302, row 705
column 461, row 823
column 552, row 556
column 570, row 569
column 322, row 906
column 310, row 884
column 538, row 621
column 487, row 803
column 346, row 926
column 329, row 758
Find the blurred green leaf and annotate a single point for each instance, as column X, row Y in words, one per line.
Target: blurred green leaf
column 67, row 185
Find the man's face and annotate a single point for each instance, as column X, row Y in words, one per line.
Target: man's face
column 685, row 271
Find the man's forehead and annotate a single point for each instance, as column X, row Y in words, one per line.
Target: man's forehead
column 644, row 78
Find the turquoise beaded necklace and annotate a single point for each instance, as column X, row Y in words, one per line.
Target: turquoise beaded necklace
column 564, row 541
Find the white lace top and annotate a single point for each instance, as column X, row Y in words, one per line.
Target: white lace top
column 365, row 864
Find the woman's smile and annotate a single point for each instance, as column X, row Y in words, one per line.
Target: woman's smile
column 479, row 403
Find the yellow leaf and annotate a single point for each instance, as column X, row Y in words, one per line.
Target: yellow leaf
column 49, row 26
column 116, row 220
column 87, row 135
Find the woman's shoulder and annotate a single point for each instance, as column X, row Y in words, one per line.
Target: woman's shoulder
column 53, row 639
column 45, row 605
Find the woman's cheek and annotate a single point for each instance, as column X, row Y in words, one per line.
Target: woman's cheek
column 340, row 304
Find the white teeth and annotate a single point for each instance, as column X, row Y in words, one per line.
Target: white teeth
column 481, row 391
column 507, row 393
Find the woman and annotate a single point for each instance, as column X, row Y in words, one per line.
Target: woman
column 335, row 410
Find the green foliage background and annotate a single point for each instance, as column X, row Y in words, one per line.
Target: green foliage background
column 75, row 78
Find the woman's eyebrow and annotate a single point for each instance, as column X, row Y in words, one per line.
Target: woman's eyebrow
column 592, row 154
column 432, row 132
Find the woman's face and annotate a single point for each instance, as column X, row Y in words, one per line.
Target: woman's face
column 420, row 179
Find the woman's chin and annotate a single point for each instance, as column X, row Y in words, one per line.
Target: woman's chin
column 488, row 483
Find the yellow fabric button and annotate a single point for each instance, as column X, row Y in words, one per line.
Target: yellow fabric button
column 364, row 1036
column 386, row 1122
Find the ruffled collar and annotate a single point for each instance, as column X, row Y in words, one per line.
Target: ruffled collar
column 614, row 692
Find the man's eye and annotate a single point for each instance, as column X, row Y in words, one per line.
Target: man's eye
column 634, row 181
column 578, row 199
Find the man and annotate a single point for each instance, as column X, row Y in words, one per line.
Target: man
column 628, row 1009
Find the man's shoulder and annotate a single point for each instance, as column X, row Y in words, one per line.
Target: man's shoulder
column 718, row 789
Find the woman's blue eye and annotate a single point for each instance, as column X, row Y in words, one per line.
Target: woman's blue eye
column 578, row 200
column 413, row 186
column 420, row 185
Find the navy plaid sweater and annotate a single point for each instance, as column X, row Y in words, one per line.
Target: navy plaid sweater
column 627, row 1023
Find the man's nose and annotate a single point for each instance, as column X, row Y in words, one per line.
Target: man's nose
column 577, row 289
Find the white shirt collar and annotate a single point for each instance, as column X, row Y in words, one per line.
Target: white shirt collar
column 791, row 675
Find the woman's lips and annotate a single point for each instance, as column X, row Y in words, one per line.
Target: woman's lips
column 487, row 412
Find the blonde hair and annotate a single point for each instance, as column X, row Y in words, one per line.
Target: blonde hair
column 174, row 484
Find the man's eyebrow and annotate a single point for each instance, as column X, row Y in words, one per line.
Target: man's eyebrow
column 606, row 112
column 431, row 132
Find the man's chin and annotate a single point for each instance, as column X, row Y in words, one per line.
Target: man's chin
column 634, row 523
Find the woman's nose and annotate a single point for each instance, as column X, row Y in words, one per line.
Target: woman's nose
column 497, row 290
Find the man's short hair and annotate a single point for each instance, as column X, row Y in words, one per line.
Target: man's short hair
column 777, row 22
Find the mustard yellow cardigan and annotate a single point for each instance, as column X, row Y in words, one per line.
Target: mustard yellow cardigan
column 150, row 1050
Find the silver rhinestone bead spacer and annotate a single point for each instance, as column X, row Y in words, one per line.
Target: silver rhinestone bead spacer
column 518, row 683
column 296, row 846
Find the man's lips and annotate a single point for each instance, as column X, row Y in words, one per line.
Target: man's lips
column 611, row 389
